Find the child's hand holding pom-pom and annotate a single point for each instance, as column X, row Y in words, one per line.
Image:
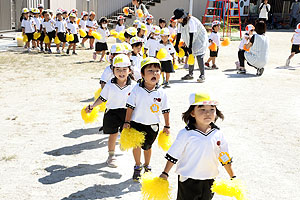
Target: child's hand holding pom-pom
column 225, row 42
column 91, row 116
column 231, row 188
column 213, row 46
column 164, row 141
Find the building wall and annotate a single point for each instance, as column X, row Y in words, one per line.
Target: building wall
column 65, row 4
column 5, row 15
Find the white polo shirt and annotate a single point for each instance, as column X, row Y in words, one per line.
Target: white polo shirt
column 107, row 74
column 197, row 153
column 82, row 24
column 119, row 28
column 172, row 30
column 115, row 95
column 147, row 105
column 169, row 47
column 38, row 22
column 104, row 33
column 151, row 45
column 244, row 41
column 296, row 38
column 215, row 37
column 49, row 25
column 73, row 27
column 136, row 65
column 263, row 12
column 28, row 25
column 61, row 26
column 91, row 24
column 149, row 26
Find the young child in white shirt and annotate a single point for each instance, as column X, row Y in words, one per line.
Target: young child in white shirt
column 149, row 24
column 214, row 37
column 38, row 23
column 167, row 62
column 197, row 150
column 152, row 42
column 73, row 29
column 60, row 27
column 136, row 57
column 49, row 30
column 120, row 26
column 101, row 45
column 28, row 27
column 115, row 93
column 295, row 45
column 91, row 25
column 144, row 105
column 82, row 25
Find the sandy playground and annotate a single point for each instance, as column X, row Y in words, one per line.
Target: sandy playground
column 47, row 152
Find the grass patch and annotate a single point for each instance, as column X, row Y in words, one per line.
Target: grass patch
column 8, row 158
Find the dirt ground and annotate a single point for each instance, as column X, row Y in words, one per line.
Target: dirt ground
column 47, row 152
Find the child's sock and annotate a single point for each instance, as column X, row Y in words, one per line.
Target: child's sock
column 111, row 153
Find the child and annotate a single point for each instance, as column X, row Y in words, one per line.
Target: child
column 141, row 31
column 197, row 150
column 296, row 45
column 101, row 45
column 136, row 23
column 149, row 21
column 49, row 30
column 120, row 26
column 259, row 49
column 214, row 37
column 60, row 27
column 38, row 22
column 130, row 33
column 166, row 63
column 136, row 57
column 162, row 23
column 144, row 104
column 82, row 25
column 152, row 42
column 249, row 32
column 91, row 25
column 72, row 29
column 120, row 86
column 28, row 27
column 107, row 74
column 172, row 26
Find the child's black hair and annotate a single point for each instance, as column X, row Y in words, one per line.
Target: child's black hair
column 260, row 27
column 101, row 21
column 137, row 44
column 162, row 20
column 118, row 22
column 188, row 119
column 44, row 12
column 156, row 65
column 213, row 27
column 186, row 19
column 127, row 35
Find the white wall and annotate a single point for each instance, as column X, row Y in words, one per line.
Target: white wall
column 65, row 4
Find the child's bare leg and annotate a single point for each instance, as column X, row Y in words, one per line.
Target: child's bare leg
column 83, row 41
column 92, row 43
column 137, row 156
column 63, row 45
column 163, row 75
column 147, row 155
column 167, row 77
column 209, row 59
column 57, row 46
column 213, row 60
column 112, row 141
column 292, row 55
column 102, row 55
column 74, row 47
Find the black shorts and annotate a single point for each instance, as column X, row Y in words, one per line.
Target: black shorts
column 76, row 40
column 101, row 46
column 213, row 53
column 150, row 131
column 62, row 36
column 42, row 37
column 167, row 66
column 195, row 189
column 295, row 48
column 51, row 35
column 88, row 36
column 113, row 120
column 29, row 36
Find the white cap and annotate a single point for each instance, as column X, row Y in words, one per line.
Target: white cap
column 155, row 29
column 215, row 23
column 121, row 60
column 136, row 40
column 201, row 98
column 164, row 32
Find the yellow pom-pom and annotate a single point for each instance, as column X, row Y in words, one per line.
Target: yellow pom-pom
column 154, row 188
column 90, row 117
column 46, row 39
column 213, row 47
column 226, row 41
column 164, row 141
column 181, row 53
column 71, row 37
column 175, row 66
column 162, row 53
column 231, row 188
column 82, row 33
column 121, row 36
column 25, row 38
column 143, row 50
column 56, row 40
column 102, row 106
column 140, row 13
column 191, row 60
column 114, row 33
column 96, row 35
column 97, row 94
column 126, row 11
column 144, row 56
column 131, row 138
column 68, row 37
column 36, row 35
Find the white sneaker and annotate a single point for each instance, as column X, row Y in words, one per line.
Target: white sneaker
column 237, row 63
column 201, row 79
column 287, row 62
column 111, row 162
column 29, row 50
column 63, row 51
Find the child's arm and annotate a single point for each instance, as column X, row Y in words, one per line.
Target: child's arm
column 168, row 167
column 89, row 108
column 229, row 170
column 167, row 123
column 23, row 31
column 128, row 118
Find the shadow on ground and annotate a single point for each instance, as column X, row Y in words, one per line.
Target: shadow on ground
column 288, row 67
column 81, row 132
column 241, row 75
column 60, row 173
column 88, row 100
column 78, row 148
column 105, row 191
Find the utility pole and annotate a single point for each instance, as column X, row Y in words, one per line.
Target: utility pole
column 88, row 5
column 191, row 7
